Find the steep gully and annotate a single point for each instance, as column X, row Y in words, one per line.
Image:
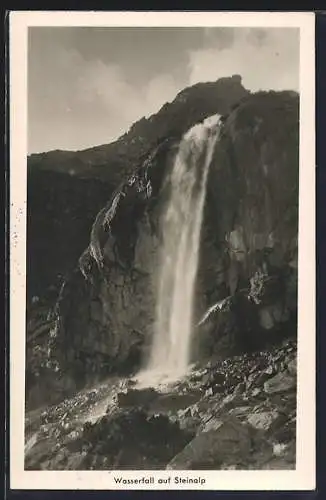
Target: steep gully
column 181, row 226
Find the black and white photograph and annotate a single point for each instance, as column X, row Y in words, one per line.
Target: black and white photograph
column 162, row 240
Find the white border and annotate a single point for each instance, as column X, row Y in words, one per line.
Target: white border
column 303, row 478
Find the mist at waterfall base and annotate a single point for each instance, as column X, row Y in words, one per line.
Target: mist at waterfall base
column 181, row 221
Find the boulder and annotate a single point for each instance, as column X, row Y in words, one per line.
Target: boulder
column 227, row 444
column 281, row 382
column 292, row 367
column 174, row 402
column 263, row 420
column 131, row 439
column 136, row 397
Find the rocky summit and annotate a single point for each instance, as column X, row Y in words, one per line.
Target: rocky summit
column 94, row 238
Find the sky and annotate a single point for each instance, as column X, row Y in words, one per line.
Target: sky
column 87, row 86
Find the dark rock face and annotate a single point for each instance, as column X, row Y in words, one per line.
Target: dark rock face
column 60, row 211
column 252, row 203
column 104, row 316
column 133, row 440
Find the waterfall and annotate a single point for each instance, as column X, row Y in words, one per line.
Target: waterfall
column 181, row 227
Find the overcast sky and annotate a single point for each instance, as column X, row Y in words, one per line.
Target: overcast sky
column 86, row 86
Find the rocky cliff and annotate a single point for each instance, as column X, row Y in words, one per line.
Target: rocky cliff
column 107, row 242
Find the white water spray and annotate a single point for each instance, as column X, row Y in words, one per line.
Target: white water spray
column 181, row 228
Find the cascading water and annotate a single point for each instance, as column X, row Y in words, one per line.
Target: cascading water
column 181, row 227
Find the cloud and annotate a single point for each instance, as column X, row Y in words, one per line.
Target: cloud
column 107, row 85
column 266, row 59
column 257, row 36
column 89, row 102
column 219, row 38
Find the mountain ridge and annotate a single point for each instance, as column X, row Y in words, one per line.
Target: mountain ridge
column 146, row 133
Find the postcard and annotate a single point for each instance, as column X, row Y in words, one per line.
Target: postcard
column 162, row 250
